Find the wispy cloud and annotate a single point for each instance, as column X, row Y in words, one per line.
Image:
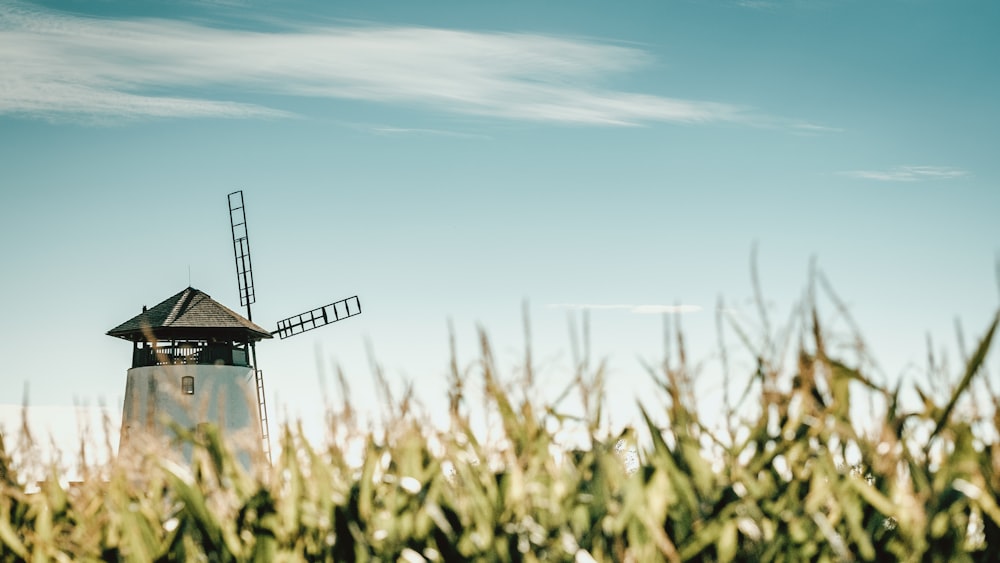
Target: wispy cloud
column 757, row 4
column 813, row 128
column 639, row 309
column 908, row 173
column 389, row 130
column 60, row 66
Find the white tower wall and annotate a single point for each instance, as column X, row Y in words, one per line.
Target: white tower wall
column 223, row 395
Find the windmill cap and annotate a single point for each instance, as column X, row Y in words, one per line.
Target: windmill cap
column 190, row 313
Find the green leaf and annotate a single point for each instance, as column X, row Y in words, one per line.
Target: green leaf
column 727, row 542
column 971, row 369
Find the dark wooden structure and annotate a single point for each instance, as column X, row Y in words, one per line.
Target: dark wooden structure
column 190, row 328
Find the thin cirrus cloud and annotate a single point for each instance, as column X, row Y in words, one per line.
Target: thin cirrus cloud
column 65, row 67
column 757, row 4
column 389, row 130
column 639, row 309
column 908, row 173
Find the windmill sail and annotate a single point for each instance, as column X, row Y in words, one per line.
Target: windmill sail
column 244, row 278
column 316, row 318
column 241, row 249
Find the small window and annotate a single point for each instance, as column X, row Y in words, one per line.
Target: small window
column 187, row 385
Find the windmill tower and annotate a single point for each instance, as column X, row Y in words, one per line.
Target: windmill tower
column 194, row 361
column 191, row 365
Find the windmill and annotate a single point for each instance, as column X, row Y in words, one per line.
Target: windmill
column 194, row 361
column 287, row 327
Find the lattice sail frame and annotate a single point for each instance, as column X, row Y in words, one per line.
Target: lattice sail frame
column 241, row 249
column 321, row 316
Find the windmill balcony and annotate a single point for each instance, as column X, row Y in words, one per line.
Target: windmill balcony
column 189, row 353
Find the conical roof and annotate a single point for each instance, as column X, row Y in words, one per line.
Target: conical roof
column 189, row 314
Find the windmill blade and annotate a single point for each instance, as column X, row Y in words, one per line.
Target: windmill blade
column 241, row 249
column 316, row 318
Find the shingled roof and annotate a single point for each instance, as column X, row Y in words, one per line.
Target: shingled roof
column 192, row 314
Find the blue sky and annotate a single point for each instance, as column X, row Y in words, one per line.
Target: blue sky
column 450, row 160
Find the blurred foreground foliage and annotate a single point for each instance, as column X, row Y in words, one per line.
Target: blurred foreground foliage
column 794, row 480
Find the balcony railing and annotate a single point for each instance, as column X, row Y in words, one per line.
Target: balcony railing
column 188, row 353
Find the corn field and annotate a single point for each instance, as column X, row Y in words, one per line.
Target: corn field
column 792, row 477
